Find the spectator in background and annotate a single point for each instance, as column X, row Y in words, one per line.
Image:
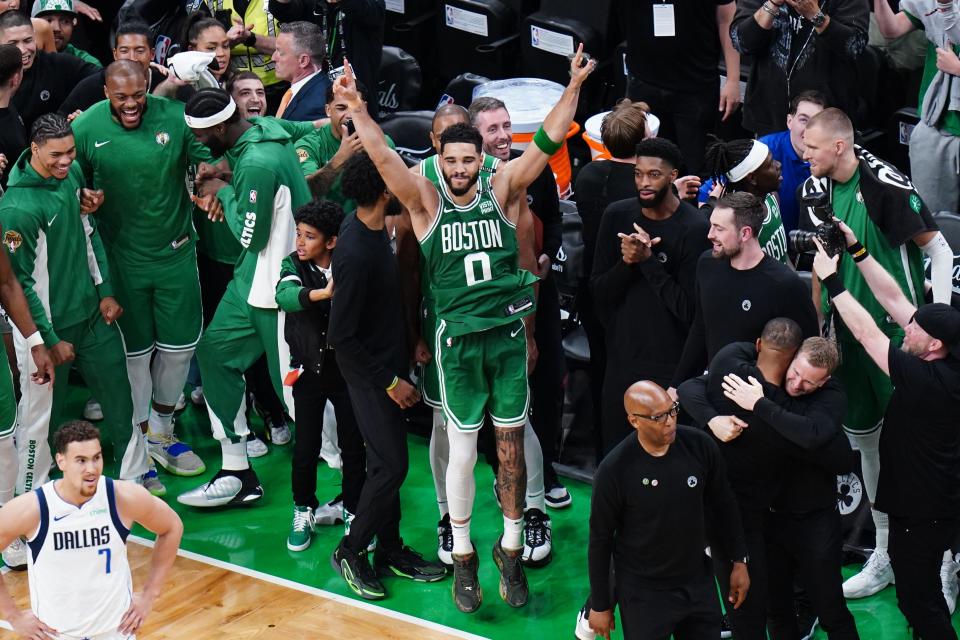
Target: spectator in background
column 13, row 135
column 132, row 42
column 254, row 39
column 323, row 153
column 62, row 18
column 798, row 46
column 300, row 57
column 208, row 35
column 787, row 148
column 672, row 56
column 935, row 141
column 353, row 29
column 643, row 278
column 47, row 77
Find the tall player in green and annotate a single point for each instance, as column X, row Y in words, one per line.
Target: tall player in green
column 469, row 244
column 137, row 149
column 267, row 186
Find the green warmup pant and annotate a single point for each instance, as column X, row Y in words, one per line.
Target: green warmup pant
column 236, row 338
column 101, row 360
column 868, row 387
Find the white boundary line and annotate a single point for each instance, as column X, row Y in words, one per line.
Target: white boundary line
column 290, row 584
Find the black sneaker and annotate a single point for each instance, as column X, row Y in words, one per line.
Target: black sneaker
column 537, row 539
column 356, row 571
column 467, row 594
column 726, row 631
column 513, row 582
column 445, row 541
column 806, row 619
column 407, row 563
column 555, row 494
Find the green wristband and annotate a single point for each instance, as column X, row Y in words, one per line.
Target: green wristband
column 544, row 143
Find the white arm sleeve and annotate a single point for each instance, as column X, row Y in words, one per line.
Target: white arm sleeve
column 941, row 267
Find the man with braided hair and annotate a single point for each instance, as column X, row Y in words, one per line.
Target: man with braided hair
column 57, row 255
column 468, row 239
column 748, row 165
column 267, row 186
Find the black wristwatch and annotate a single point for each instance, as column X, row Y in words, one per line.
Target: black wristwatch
column 818, row 19
column 744, row 560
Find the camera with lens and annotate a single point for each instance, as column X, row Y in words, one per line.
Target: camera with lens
column 828, row 233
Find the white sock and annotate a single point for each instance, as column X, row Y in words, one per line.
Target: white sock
column 882, row 524
column 234, row 456
column 461, row 538
column 533, row 457
column 512, row 530
column 160, row 424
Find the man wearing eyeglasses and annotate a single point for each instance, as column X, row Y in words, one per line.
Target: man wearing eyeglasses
column 651, row 498
column 784, row 445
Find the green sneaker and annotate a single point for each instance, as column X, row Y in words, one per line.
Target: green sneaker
column 301, row 532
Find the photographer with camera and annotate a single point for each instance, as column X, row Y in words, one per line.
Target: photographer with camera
column 919, row 486
column 881, row 206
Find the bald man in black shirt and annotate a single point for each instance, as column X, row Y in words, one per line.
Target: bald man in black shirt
column 651, row 496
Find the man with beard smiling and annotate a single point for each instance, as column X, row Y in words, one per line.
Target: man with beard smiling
column 643, row 278
column 739, row 287
column 137, row 148
column 258, row 205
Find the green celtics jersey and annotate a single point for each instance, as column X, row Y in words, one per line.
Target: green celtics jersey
column 773, row 237
column 146, row 211
column 470, row 259
column 903, row 262
column 55, row 251
column 315, row 150
column 258, row 205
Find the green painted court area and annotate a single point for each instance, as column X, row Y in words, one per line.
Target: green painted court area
column 255, row 537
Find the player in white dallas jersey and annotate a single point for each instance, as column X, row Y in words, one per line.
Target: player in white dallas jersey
column 76, row 530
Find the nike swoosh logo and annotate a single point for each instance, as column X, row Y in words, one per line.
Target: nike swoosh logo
column 52, row 219
column 59, row 518
column 99, row 144
column 513, row 334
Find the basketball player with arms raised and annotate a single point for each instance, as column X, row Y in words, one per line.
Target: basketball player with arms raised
column 467, row 236
column 76, row 530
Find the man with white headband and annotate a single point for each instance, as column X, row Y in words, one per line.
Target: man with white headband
column 748, row 165
column 266, row 187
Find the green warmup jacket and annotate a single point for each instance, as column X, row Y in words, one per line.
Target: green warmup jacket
column 55, row 252
column 258, row 205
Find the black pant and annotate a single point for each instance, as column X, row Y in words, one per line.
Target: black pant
column 749, row 622
column 808, row 546
column 685, row 117
column 381, row 425
column 688, row 613
column 916, row 552
column 546, row 382
column 598, row 363
column 310, row 397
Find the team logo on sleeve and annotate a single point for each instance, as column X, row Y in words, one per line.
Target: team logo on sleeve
column 253, row 196
column 303, row 155
column 163, row 138
column 692, row 481
column 915, row 203
column 13, row 240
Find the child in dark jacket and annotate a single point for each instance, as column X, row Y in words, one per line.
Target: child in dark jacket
column 304, row 292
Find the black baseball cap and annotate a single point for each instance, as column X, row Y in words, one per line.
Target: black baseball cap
column 942, row 322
